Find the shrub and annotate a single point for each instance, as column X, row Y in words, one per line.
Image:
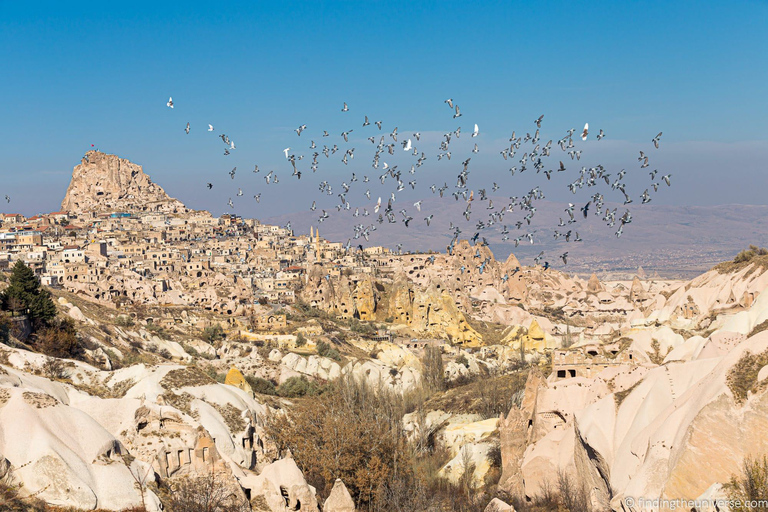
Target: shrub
column 752, row 483
column 59, row 339
column 124, row 321
column 742, row 377
column 573, row 493
column 218, row 377
column 207, row 493
column 213, row 333
column 5, row 329
column 54, row 368
column 758, row 328
column 297, row 387
column 261, row 386
column 300, row 340
column 325, row 350
column 462, row 359
column 361, row 328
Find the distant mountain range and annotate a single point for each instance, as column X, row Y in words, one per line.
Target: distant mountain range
column 671, row 241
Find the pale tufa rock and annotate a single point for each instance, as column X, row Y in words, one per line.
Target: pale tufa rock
column 339, row 500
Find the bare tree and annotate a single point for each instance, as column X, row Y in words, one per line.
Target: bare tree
column 206, row 493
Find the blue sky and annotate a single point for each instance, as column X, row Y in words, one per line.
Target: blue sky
column 101, row 74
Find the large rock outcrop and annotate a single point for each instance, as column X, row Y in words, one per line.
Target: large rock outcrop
column 105, row 182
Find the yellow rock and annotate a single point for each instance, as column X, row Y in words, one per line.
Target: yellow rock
column 535, row 331
column 235, row 378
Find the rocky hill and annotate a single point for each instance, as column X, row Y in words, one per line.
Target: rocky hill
column 104, row 182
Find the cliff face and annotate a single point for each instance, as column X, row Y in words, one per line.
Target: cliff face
column 105, row 182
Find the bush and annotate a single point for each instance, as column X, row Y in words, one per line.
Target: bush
column 748, row 254
column 59, row 340
column 752, row 483
column 462, row 359
column 300, row 340
column 297, row 387
column 218, row 377
column 325, row 350
column 742, row 377
column 5, row 329
column 124, row 321
column 361, row 328
column 207, row 493
column 261, row 386
column 213, row 333
column 54, row 368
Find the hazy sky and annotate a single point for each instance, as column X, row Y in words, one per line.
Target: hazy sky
column 99, row 74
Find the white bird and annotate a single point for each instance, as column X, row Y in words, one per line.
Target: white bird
column 378, row 205
column 286, row 150
column 346, row 108
column 210, row 127
column 170, row 102
column 407, row 145
column 585, row 132
column 186, row 130
column 474, row 133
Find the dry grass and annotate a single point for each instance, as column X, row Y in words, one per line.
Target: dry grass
column 621, row 395
column 183, row 377
column 486, row 397
column 758, row 328
column 232, row 417
column 180, row 401
column 752, row 256
column 742, row 377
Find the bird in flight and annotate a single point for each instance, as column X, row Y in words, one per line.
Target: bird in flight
column 186, row 130
column 210, row 127
column 346, row 108
column 170, row 102
column 656, row 140
column 585, row 132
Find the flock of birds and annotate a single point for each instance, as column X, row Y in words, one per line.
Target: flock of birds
column 536, row 156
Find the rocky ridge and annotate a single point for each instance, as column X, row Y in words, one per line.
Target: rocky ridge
column 104, row 182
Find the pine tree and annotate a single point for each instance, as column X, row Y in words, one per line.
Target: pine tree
column 25, row 295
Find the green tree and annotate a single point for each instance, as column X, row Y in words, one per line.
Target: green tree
column 25, row 294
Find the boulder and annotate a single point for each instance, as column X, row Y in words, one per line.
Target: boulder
column 496, row 505
column 284, row 488
column 236, row 378
column 339, row 500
